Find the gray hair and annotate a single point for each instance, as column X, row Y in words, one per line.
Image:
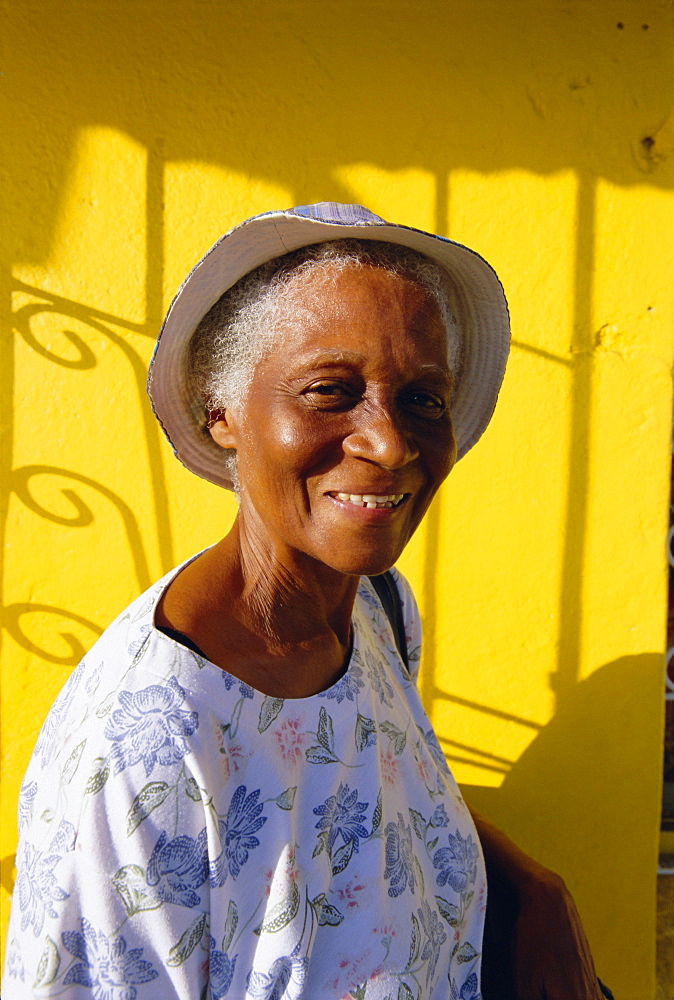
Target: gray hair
column 239, row 330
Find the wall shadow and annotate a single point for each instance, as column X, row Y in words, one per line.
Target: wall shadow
column 99, row 322
column 20, row 484
column 560, row 782
column 13, row 613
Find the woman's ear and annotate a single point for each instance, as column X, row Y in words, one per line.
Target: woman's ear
column 220, row 429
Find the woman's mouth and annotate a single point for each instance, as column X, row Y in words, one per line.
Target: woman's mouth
column 370, row 500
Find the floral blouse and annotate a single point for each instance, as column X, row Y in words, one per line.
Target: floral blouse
column 183, row 835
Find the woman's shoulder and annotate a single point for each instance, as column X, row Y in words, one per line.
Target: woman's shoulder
column 136, row 698
column 131, row 648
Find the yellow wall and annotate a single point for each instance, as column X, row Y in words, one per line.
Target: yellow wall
column 539, row 132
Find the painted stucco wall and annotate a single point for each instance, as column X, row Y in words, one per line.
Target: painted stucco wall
column 537, row 131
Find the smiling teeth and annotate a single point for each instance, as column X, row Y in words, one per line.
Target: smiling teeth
column 371, row 500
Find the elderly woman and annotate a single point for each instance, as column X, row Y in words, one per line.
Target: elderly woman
column 238, row 792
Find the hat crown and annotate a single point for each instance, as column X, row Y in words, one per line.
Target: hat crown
column 336, row 213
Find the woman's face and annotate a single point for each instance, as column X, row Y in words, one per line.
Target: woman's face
column 352, row 403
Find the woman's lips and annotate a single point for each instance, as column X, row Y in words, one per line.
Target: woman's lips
column 372, row 501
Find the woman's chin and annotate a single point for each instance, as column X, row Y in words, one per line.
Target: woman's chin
column 364, row 564
column 361, row 556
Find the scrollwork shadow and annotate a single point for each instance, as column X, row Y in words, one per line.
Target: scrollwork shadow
column 19, row 483
column 12, row 620
column 22, row 320
column 100, row 323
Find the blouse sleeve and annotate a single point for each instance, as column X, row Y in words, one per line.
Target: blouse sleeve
column 112, row 890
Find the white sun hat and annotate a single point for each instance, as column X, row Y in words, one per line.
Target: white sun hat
column 478, row 304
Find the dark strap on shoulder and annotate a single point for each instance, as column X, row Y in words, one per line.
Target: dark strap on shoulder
column 180, row 637
column 388, row 594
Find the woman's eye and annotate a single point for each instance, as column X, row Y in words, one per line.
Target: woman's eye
column 328, row 389
column 427, row 402
column 326, row 393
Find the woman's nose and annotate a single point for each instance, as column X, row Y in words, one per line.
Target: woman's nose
column 381, row 438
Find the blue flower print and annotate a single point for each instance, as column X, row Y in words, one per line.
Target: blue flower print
column 435, row 937
column 457, row 863
column 36, row 883
column 469, row 990
column 237, row 834
column 439, row 817
column 221, row 972
column 399, row 858
column 379, row 679
column 93, row 679
column 47, row 740
column 369, row 596
column 136, row 646
column 342, row 815
column 26, row 798
column 13, row 964
column 150, row 727
column 105, row 966
column 284, row 980
column 245, row 690
column 347, row 686
column 178, row 868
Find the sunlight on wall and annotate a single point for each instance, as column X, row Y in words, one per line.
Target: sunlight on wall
column 483, row 736
column 218, row 198
column 405, row 196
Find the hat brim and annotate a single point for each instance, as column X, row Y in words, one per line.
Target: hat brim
column 479, row 307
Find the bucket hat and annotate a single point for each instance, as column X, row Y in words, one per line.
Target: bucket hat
column 479, row 307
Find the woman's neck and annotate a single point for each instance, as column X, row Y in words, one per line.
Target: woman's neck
column 279, row 621
column 285, row 594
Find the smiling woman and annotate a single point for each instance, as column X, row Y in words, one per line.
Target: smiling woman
column 240, row 775
column 351, row 398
